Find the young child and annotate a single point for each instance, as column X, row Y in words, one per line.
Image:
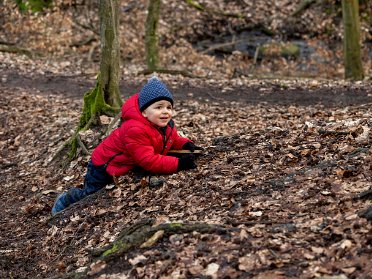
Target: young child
column 143, row 139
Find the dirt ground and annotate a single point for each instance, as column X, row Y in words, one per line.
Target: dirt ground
column 292, row 92
column 284, row 162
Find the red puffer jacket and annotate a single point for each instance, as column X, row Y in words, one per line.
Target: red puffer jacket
column 137, row 142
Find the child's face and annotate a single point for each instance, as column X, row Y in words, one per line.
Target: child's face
column 159, row 113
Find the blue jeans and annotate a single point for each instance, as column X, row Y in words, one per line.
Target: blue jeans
column 95, row 179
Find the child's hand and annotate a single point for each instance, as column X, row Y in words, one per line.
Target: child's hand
column 186, row 162
column 191, row 146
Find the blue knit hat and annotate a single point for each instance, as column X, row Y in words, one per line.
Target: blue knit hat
column 154, row 90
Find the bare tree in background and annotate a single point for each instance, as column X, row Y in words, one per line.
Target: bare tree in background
column 352, row 56
column 151, row 38
column 152, row 43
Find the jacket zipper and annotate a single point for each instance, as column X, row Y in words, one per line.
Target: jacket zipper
column 165, row 139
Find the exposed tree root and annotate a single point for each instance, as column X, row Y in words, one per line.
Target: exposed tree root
column 138, row 234
column 144, row 235
column 94, row 107
column 112, row 125
column 82, row 145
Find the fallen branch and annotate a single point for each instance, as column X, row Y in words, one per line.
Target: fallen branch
column 367, row 213
column 367, row 195
column 302, row 7
column 184, row 152
column 17, row 50
column 221, row 45
column 84, row 42
column 201, row 8
column 333, row 133
column 185, row 73
column 7, row 43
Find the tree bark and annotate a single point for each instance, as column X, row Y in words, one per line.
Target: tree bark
column 151, row 39
column 352, row 56
column 110, row 48
column 139, row 233
column 104, row 98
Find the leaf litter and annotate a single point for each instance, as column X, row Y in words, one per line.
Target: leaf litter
column 284, row 176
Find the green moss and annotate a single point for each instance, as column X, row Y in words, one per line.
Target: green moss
column 279, row 49
column 195, row 5
column 176, row 225
column 290, row 50
column 117, row 246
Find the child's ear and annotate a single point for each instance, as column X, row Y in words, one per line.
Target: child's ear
column 144, row 113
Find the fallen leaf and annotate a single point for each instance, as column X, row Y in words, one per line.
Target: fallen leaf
column 317, row 250
column 138, row 259
column 212, row 270
column 96, row 267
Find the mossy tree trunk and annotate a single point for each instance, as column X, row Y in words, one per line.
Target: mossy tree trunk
column 352, row 56
column 151, row 43
column 104, row 98
column 151, row 38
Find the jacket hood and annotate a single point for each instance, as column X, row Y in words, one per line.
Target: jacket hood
column 131, row 110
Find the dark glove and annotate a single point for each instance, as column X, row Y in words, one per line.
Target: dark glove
column 186, row 162
column 191, row 146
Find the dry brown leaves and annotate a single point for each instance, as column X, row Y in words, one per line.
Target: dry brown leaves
column 285, row 176
column 54, row 35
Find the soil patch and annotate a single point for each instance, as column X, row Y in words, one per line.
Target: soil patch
column 282, row 92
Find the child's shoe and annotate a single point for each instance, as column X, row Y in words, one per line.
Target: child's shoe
column 58, row 204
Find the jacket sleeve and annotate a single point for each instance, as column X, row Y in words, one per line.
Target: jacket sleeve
column 179, row 141
column 139, row 145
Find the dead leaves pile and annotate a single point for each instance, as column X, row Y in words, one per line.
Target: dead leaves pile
column 284, row 176
column 66, row 38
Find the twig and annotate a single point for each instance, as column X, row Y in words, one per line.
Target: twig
column 18, row 50
column 81, row 144
column 330, row 132
column 302, row 7
column 112, row 124
column 86, row 41
column 184, row 152
column 185, row 73
column 201, row 8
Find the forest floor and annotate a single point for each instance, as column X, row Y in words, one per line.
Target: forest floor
column 287, row 161
column 284, row 163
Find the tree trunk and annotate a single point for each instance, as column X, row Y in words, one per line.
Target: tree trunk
column 352, row 57
column 151, row 39
column 104, row 98
column 110, row 48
